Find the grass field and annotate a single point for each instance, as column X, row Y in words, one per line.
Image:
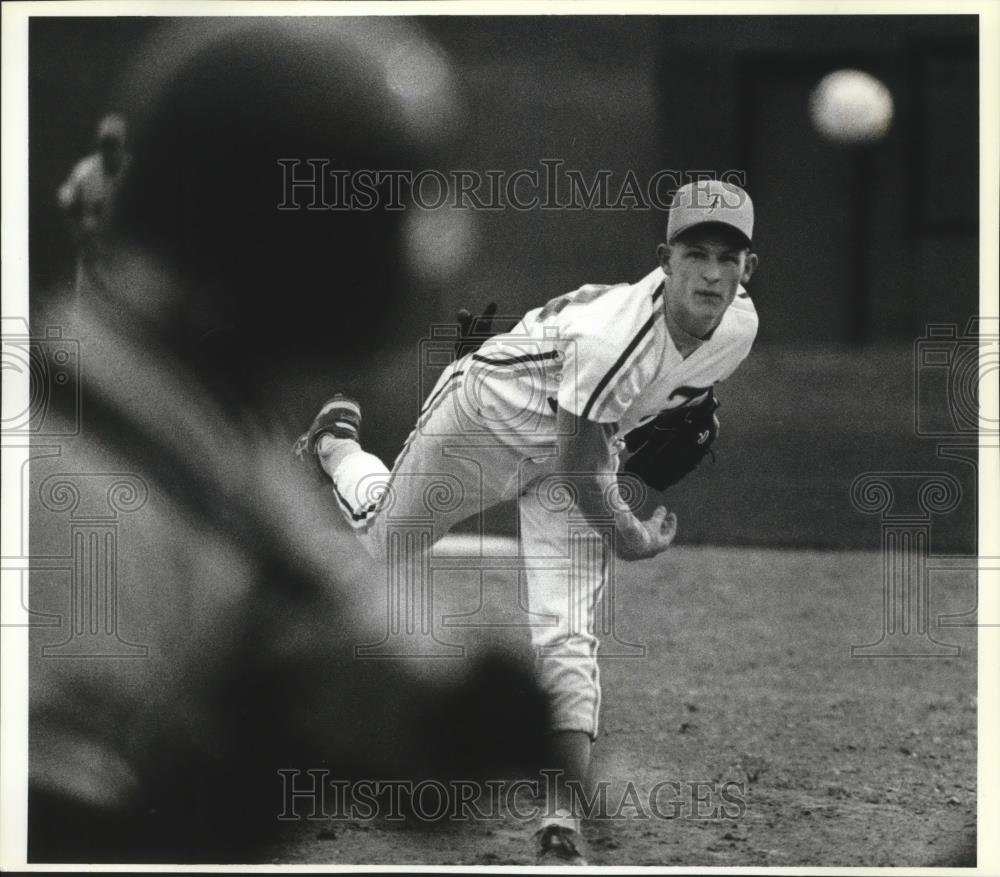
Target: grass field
column 747, row 679
column 798, row 426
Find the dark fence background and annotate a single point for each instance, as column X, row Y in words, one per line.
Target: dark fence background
column 860, row 249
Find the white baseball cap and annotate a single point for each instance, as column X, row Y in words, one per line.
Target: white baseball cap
column 710, row 201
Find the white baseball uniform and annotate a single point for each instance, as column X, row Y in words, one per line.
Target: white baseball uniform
column 87, row 194
column 487, row 433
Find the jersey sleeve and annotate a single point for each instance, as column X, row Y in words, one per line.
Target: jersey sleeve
column 605, row 334
column 584, row 365
column 602, row 375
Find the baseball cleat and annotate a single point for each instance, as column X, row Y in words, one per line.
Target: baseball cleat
column 340, row 417
column 558, row 845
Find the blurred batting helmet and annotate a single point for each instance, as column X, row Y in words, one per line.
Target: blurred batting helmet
column 245, row 131
column 236, row 607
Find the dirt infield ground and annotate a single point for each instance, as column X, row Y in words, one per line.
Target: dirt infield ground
column 747, row 683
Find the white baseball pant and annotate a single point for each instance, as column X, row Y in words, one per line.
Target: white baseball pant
column 460, row 460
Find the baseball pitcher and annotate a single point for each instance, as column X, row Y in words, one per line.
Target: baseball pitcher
column 542, row 414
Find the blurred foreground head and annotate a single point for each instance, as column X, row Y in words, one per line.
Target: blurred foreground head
column 235, row 603
column 242, row 130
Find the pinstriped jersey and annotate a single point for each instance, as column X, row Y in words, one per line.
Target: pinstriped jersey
column 605, row 353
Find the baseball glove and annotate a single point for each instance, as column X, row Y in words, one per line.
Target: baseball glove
column 672, row 444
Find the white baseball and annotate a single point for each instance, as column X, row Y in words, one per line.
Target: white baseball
column 851, row 106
